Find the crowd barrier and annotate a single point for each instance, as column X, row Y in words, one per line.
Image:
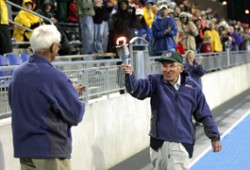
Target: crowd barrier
column 104, row 76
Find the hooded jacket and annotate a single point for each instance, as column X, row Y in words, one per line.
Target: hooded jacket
column 26, row 19
column 124, row 21
column 162, row 42
column 4, row 18
column 42, row 11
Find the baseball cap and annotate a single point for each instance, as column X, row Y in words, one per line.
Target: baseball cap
column 163, row 6
column 171, row 56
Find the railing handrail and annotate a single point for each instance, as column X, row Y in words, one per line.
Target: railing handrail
column 24, row 27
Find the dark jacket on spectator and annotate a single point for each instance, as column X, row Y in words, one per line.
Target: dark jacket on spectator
column 102, row 14
column 123, row 21
column 42, row 11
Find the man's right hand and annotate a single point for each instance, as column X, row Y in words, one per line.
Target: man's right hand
column 127, row 69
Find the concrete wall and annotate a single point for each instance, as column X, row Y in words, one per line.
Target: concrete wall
column 115, row 129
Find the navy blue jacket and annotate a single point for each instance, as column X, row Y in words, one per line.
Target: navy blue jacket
column 162, row 42
column 172, row 110
column 44, row 106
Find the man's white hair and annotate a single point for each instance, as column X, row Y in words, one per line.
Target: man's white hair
column 43, row 37
column 188, row 52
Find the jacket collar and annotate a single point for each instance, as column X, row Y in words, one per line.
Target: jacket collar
column 40, row 59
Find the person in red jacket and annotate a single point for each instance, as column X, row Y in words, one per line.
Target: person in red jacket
column 72, row 15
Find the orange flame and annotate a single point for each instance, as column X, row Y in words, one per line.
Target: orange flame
column 121, row 40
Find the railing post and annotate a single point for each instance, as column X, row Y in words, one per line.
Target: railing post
column 228, row 57
column 139, row 56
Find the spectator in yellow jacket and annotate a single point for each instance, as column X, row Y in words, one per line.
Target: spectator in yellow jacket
column 26, row 19
column 214, row 38
column 148, row 12
column 5, row 42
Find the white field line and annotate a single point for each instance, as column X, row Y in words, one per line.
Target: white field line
column 229, row 130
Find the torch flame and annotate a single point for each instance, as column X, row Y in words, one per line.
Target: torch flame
column 121, row 41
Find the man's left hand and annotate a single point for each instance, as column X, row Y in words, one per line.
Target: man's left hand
column 216, row 146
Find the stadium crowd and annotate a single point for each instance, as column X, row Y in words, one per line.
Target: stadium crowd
column 167, row 25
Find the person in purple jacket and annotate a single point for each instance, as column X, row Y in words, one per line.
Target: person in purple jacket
column 45, row 105
column 175, row 98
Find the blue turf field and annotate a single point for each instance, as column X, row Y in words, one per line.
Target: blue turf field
column 235, row 154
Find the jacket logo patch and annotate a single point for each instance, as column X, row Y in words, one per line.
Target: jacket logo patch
column 168, row 54
column 189, row 86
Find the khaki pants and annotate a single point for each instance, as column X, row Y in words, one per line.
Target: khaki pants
column 45, row 164
column 171, row 156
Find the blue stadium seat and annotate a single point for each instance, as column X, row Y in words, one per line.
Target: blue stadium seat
column 3, row 60
column 14, row 59
column 25, row 57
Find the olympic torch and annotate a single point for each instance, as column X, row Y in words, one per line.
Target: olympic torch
column 123, row 53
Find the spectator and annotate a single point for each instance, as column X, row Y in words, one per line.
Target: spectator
column 193, row 67
column 155, row 9
column 148, row 12
column 72, row 15
column 47, row 9
column 187, row 6
column 189, row 31
column 246, row 39
column 86, row 12
column 164, row 29
column 179, row 46
column 26, row 19
column 44, row 106
column 5, row 37
column 62, row 10
column 239, row 39
column 225, row 37
column 171, row 13
column 101, row 28
column 177, row 11
column 199, row 37
column 206, row 44
column 214, row 38
column 136, row 3
column 124, row 21
column 141, row 27
column 175, row 98
column 203, row 19
column 195, row 70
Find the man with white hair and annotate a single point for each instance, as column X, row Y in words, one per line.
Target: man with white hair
column 44, row 105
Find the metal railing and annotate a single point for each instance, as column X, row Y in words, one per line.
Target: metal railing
column 104, row 76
